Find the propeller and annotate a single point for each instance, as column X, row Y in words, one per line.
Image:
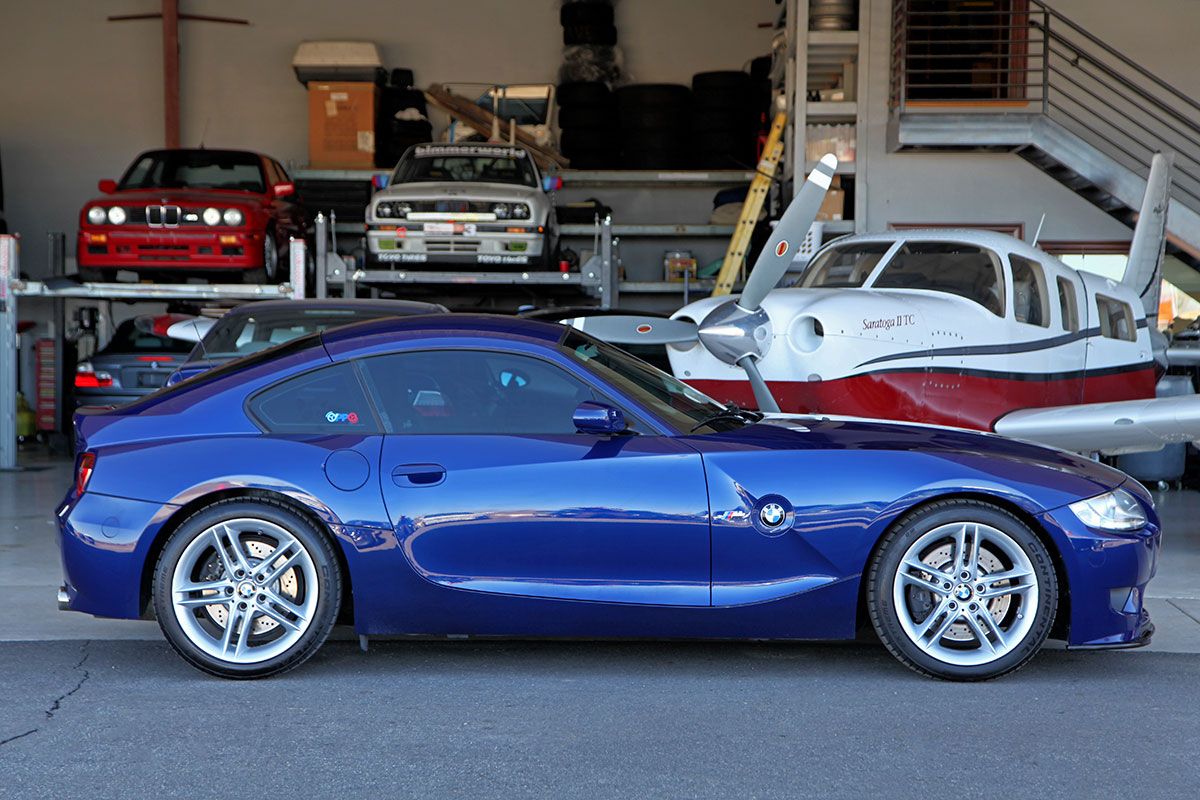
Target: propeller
column 737, row 332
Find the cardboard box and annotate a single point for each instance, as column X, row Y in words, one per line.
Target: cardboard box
column 834, row 205
column 341, row 125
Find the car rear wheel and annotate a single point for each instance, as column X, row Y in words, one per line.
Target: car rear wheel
column 246, row 589
column 962, row 590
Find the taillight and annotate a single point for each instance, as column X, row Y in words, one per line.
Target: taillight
column 87, row 465
column 86, row 377
column 159, row 359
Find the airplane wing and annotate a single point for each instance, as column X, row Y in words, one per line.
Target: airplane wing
column 1126, row 426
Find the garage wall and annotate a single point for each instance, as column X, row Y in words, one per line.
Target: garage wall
column 81, row 96
column 1003, row 188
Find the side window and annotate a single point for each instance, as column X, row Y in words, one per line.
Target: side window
column 281, row 172
column 329, row 400
column 959, row 269
column 474, row 392
column 1116, row 319
column 1070, row 306
column 272, row 176
column 1031, row 305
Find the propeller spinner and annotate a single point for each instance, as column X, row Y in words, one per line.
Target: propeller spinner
column 739, row 331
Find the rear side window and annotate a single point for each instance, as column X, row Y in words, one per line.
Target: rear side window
column 1116, row 319
column 959, row 269
column 1030, row 303
column 329, row 400
column 1070, row 306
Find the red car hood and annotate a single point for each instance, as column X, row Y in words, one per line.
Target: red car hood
column 179, row 197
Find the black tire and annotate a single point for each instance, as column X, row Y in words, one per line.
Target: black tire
column 885, row 563
column 586, row 13
column 576, row 139
column 723, row 119
column 656, row 158
column 740, row 101
column 320, row 549
column 92, row 275
column 720, row 81
column 581, row 116
column 677, row 120
column 583, row 93
column 634, row 139
column 649, row 96
column 598, row 35
column 593, row 159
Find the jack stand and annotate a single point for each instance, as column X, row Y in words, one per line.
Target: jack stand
column 362, row 642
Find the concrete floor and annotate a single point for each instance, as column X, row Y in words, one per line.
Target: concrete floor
column 30, row 571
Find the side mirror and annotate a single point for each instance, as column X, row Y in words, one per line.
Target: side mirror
column 284, row 189
column 599, row 419
column 108, row 186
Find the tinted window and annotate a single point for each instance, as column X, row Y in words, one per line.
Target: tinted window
column 237, row 334
column 1116, row 319
column 465, row 163
column 1030, row 304
column 128, row 339
column 474, row 392
column 1070, row 306
column 958, row 269
column 327, row 400
column 847, row 266
column 197, row 169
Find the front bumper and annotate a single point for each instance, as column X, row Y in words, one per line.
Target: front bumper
column 466, row 245
column 104, row 542
column 176, row 248
column 1107, row 575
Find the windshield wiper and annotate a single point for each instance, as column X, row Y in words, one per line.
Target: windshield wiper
column 731, row 412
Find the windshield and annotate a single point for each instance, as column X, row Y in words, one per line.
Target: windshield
column 466, row 163
column 845, row 267
column 950, row 267
column 196, row 169
column 128, row 340
column 676, row 402
column 236, row 335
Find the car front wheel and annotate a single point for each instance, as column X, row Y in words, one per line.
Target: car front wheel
column 246, row 589
column 962, row 590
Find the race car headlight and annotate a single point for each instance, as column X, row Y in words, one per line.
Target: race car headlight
column 502, row 210
column 96, row 215
column 211, row 216
column 117, row 215
column 392, row 210
column 520, row 211
column 232, row 217
column 383, row 210
column 1117, row 510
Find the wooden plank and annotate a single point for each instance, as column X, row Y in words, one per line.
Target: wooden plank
column 483, row 121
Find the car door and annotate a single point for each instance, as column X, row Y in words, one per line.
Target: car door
column 492, row 490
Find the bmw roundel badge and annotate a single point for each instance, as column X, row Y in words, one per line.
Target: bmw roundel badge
column 772, row 515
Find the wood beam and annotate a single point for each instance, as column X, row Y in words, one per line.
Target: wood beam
column 170, row 20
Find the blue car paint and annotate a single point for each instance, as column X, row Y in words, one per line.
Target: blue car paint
column 650, row 535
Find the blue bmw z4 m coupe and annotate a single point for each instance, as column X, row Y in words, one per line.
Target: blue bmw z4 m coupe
column 476, row 475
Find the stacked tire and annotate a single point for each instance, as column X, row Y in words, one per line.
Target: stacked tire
column 589, row 42
column 654, row 122
column 401, row 119
column 587, row 117
column 726, row 116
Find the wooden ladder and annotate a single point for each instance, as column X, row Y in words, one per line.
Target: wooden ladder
column 735, row 256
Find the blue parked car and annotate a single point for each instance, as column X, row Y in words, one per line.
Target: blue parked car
column 449, row 474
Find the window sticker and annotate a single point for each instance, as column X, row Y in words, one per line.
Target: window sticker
column 349, row 417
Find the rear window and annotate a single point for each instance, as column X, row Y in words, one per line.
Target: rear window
column 1116, row 319
column 237, row 334
column 329, row 400
column 128, row 340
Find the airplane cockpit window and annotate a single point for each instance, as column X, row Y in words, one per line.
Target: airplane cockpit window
column 1066, row 299
column 951, row 267
column 1116, row 319
column 1030, row 303
column 844, row 267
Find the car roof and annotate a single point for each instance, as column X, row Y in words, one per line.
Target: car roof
column 492, row 326
column 337, row 304
column 214, row 151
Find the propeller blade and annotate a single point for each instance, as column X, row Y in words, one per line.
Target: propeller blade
column 762, row 394
column 632, row 329
column 777, row 254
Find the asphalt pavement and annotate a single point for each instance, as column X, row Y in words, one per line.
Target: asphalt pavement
column 474, row 719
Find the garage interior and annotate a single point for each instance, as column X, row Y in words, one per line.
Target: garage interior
column 696, row 125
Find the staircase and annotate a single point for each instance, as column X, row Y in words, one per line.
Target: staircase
column 1036, row 84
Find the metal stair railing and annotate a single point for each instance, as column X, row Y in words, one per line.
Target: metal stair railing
column 1034, row 60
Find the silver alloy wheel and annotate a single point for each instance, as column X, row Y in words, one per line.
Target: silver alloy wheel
column 244, row 590
column 965, row 593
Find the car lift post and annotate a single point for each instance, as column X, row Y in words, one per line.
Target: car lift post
column 297, row 273
column 610, row 281
column 320, row 239
column 8, row 353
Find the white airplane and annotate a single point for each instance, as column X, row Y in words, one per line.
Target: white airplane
column 955, row 327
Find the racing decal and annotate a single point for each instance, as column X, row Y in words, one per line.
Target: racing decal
column 412, row 258
column 435, row 150
column 781, row 248
column 348, row 417
column 493, row 259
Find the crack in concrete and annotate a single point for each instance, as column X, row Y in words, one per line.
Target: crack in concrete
column 56, row 705
column 1184, row 611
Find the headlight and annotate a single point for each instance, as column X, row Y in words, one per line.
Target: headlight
column 501, row 210
column 117, row 215
column 1117, row 510
column 232, row 217
column 211, row 216
column 96, row 215
column 402, row 209
column 520, row 211
column 383, row 210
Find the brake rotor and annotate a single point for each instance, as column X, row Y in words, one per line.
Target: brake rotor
column 287, row 585
column 938, row 559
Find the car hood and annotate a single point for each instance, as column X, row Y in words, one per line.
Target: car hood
column 179, row 197
column 1048, row 477
column 434, row 190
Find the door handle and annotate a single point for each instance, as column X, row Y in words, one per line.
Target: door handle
column 417, row 475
